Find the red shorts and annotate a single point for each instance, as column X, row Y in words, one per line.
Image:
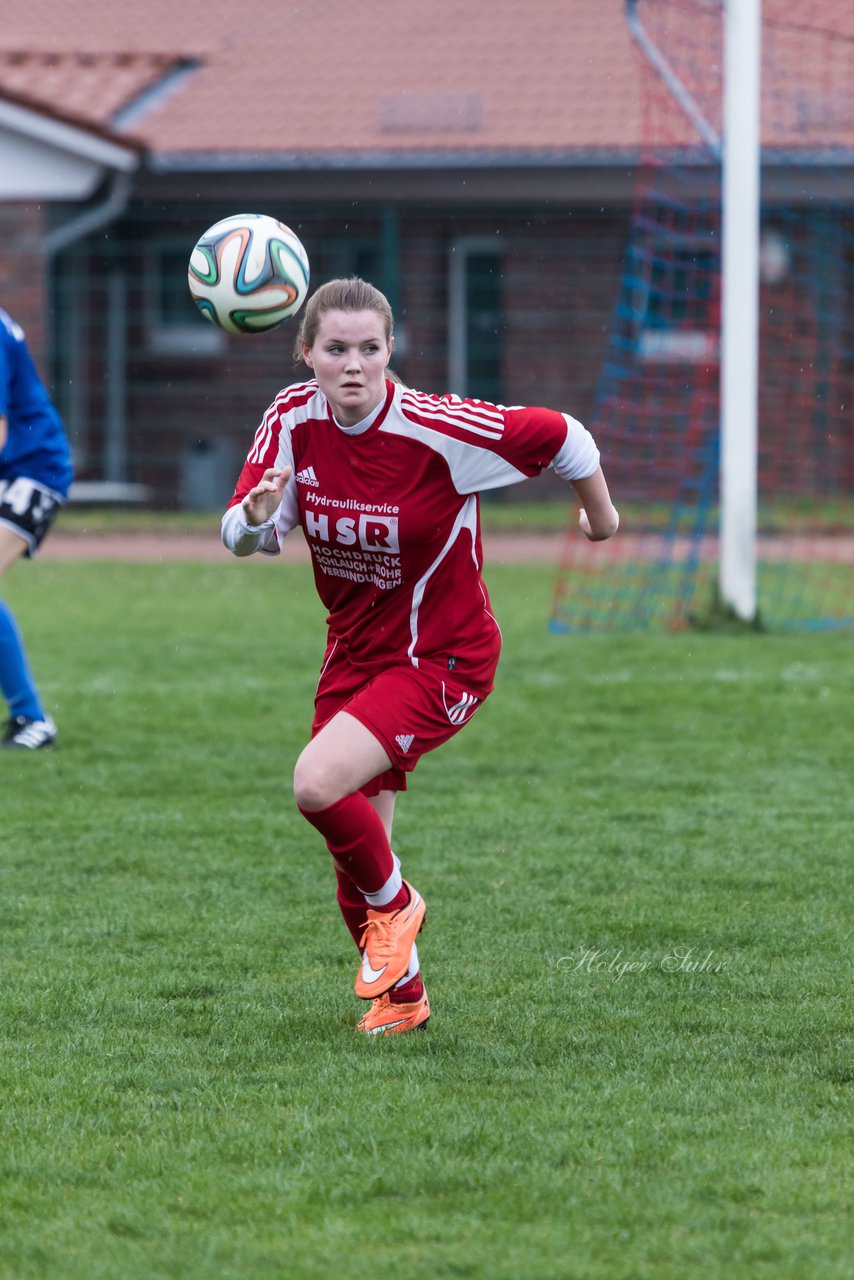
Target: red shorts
column 410, row 710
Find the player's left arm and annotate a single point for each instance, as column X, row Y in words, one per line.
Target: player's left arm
column 577, row 460
column 598, row 518
column 489, row 446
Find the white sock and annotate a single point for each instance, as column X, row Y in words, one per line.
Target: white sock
column 390, row 889
column 413, row 967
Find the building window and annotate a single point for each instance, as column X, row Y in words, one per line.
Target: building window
column 678, row 307
column 174, row 326
column 336, row 259
column 476, row 320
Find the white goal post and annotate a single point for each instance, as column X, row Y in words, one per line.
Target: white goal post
column 740, row 308
column 738, row 148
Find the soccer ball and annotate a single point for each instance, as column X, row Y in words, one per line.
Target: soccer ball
column 248, row 273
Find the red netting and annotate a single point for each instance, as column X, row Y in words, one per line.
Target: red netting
column 658, row 408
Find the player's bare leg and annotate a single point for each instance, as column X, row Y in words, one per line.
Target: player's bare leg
column 339, row 760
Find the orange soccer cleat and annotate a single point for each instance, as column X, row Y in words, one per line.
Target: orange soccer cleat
column 387, row 1019
column 386, row 944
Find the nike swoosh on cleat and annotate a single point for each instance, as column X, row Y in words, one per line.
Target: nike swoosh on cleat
column 369, row 974
column 412, row 905
column 375, row 1031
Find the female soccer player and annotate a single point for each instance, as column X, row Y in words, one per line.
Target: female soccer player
column 35, row 475
column 384, row 482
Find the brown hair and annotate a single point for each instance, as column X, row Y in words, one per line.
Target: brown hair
column 350, row 294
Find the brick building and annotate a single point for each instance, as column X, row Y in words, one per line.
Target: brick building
column 480, row 172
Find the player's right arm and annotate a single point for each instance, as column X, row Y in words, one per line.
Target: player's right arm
column 263, row 508
column 262, row 511
column 264, row 499
column 4, row 430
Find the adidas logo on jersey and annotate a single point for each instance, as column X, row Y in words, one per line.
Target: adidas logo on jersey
column 307, row 476
column 405, row 741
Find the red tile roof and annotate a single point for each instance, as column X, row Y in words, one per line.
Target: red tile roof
column 279, row 77
column 89, row 87
column 471, row 77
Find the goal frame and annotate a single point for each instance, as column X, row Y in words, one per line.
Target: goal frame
column 739, row 151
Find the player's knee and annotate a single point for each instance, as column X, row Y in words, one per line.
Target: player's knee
column 315, row 784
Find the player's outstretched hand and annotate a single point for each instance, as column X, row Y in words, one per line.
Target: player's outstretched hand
column 263, row 501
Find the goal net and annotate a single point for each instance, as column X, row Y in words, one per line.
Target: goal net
column 657, row 413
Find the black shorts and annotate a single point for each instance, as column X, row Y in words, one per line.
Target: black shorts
column 28, row 508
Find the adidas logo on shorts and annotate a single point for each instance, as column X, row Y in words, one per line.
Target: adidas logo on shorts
column 307, row 476
column 405, row 741
column 459, row 712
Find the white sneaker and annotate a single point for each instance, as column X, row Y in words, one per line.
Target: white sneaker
column 28, row 734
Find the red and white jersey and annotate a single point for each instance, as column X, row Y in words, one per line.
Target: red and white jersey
column 390, row 511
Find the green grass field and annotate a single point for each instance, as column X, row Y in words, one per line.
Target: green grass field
column 637, row 861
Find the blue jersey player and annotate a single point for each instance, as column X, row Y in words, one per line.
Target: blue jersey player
column 35, row 475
